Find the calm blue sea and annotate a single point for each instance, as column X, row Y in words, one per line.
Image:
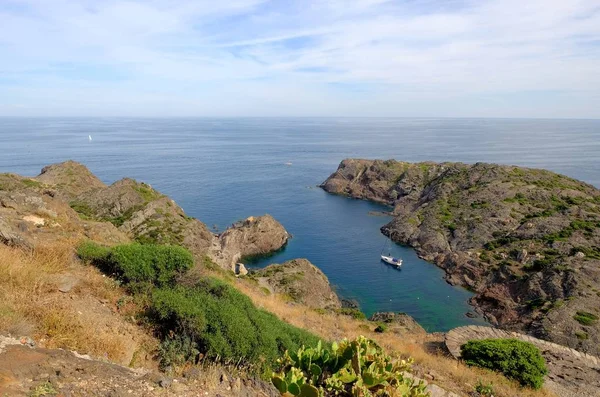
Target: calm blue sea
column 222, row 170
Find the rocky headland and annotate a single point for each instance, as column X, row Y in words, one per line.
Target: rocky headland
column 526, row 241
column 67, row 200
column 299, row 280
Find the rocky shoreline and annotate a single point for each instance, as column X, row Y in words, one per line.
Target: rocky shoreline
column 524, row 240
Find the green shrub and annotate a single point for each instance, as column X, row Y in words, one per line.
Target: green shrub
column 539, row 265
column 224, row 324
column 156, row 264
column 381, row 328
column 585, row 318
column 351, row 312
column 93, row 253
column 137, row 264
column 177, row 350
column 516, row 359
column 484, row 390
column 84, row 210
column 352, row 368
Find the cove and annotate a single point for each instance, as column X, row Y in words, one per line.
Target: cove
column 341, row 236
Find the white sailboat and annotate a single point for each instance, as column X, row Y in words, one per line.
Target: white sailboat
column 389, row 259
column 90, row 137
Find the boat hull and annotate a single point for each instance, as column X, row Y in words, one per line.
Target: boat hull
column 391, row 261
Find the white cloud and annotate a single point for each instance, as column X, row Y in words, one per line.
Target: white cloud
column 329, row 57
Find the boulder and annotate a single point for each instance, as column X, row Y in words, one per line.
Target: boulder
column 399, row 323
column 302, row 281
column 254, row 236
column 12, row 237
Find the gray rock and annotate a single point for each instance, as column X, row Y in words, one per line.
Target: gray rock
column 165, row 382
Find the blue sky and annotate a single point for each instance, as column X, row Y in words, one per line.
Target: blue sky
column 452, row 58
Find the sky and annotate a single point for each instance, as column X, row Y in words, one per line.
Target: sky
column 222, row 58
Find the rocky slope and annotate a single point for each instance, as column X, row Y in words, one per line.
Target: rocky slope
column 33, row 213
column 525, row 240
column 302, row 281
column 67, row 200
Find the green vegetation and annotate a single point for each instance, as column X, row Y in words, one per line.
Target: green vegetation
column 587, row 227
column 581, row 335
column 203, row 316
column 156, row 264
column 500, row 242
column 352, row 368
column 214, row 318
column 354, row 313
column 87, row 212
column 518, row 198
column 479, row 204
column 154, row 231
column 484, row 390
column 585, row 318
column 589, row 252
column 45, row 389
column 31, row 183
column 146, row 192
column 381, row 328
column 175, row 351
column 139, row 264
column 93, row 253
column 82, row 209
column 516, row 359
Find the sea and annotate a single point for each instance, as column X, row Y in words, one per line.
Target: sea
column 221, row 170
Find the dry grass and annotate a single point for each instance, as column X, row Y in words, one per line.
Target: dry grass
column 447, row 372
column 32, row 305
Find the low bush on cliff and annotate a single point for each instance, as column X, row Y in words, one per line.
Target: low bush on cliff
column 351, row 368
column 91, row 252
column 139, row 264
column 516, row 359
column 214, row 318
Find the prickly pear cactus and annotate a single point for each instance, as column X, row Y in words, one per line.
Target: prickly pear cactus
column 351, row 368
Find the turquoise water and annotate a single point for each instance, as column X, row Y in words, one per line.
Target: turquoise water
column 222, row 170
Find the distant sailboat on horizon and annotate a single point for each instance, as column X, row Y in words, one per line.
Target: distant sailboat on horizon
column 90, row 137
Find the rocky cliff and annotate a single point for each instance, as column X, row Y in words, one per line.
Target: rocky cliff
column 525, row 240
column 67, row 201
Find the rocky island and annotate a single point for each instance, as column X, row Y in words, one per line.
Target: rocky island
column 526, row 241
